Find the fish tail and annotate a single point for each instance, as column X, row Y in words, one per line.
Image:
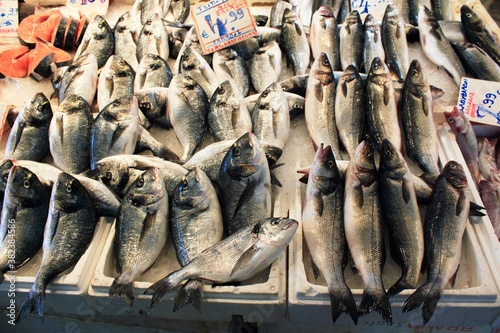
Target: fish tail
column 376, row 299
column 34, row 303
column 341, row 300
column 398, row 287
column 160, row 288
column 429, row 178
column 122, row 289
column 425, row 296
column 190, row 293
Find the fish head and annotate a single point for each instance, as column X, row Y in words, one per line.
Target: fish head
column 153, row 62
column 353, row 18
column 390, row 157
column 113, row 173
column 244, row 156
column 289, row 16
column 272, row 95
column 121, row 109
column 189, row 60
column 391, row 11
column 227, row 54
column 470, row 19
column 378, row 69
column 23, row 186
column 147, row 189
column 120, row 67
column 192, row 189
column 350, row 73
column 325, row 11
column 99, row 28
column 275, row 232
column 416, row 75
column 68, row 194
column 456, row 120
column 222, row 94
column 124, row 22
column 273, row 153
column 370, row 23
column 455, row 175
column 364, row 163
column 426, row 17
column 38, row 110
column 324, row 171
column 5, row 166
column 73, row 104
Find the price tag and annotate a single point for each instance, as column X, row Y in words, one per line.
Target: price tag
column 480, row 101
column 90, row 8
column 374, row 7
column 221, row 23
column 9, row 18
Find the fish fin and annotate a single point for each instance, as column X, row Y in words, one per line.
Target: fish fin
column 117, row 134
column 344, row 88
column 436, row 35
column 347, row 28
column 429, row 178
column 453, row 279
column 298, row 28
column 376, row 37
column 244, row 259
column 475, row 209
column 407, row 191
column 160, row 288
column 147, row 225
column 436, row 92
column 358, row 196
column 122, row 290
column 34, row 303
column 246, row 195
column 398, row 287
column 60, row 128
column 375, row 299
column 491, row 35
column 319, row 93
column 304, row 171
column 146, row 141
column 447, row 72
column 462, row 203
column 19, row 134
column 387, row 95
column 53, row 229
column 425, row 106
column 398, row 33
column 319, row 203
column 275, row 180
column 342, row 301
column 190, row 293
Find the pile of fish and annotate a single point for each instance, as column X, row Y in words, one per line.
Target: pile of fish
column 215, row 202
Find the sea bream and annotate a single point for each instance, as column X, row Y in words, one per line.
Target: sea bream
column 153, row 104
column 68, row 232
column 80, row 78
column 178, row 11
column 193, row 65
column 153, row 38
column 229, row 65
column 323, row 229
column 265, row 66
column 153, row 72
column 115, row 80
column 98, row 40
column 238, row 257
column 126, row 33
column 31, row 126
column 141, row 231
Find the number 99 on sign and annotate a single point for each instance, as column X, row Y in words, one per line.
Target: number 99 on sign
column 489, row 98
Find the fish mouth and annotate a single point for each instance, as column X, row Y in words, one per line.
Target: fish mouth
column 290, row 224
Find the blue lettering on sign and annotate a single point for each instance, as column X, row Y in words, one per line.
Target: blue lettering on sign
column 463, row 95
column 483, row 112
column 222, row 27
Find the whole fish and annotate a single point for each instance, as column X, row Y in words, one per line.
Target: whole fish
column 349, row 109
column 419, row 129
column 153, row 72
column 320, row 105
column 323, row 229
column 276, row 15
column 245, row 184
column 115, row 80
column 31, row 126
column 196, row 225
column 363, row 229
column 229, row 65
column 444, row 227
column 324, row 36
column 98, row 40
column 153, row 38
column 490, row 195
column 141, row 231
column 372, row 45
column 351, row 38
column 126, row 33
column 265, row 66
column 153, row 104
column 120, row 171
column 69, row 135
column 104, row 200
column 296, row 103
column 68, row 232
column 191, row 40
column 192, row 64
column 479, row 34
column 394, row 42
column 24, row 212
column 487, row 158
column 477, row 61
column 228, row 115
column 466, row 140
column 381, row 106
column 294, row 42
column 436, row 47
column 115, row 129
column 236, row 258
column 80, row 78
column 187, row 110
column 178, row 11
column 271, row 118
column 401, row 214
column 148, row 8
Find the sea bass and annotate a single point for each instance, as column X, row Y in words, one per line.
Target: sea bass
column 372, row 45
column 394, row 42
column 324, row 36
column 294, row 42
column 351, row 41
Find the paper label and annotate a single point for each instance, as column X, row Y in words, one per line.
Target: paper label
column 221, row 23
column 90, row 7
column 480, row 101
column 9, row 18
column 374, row 7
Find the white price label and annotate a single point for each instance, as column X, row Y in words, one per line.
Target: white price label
column 9, row 18
column 374, row 7
column 221, row 23
column 480, row 101
column 89, row 7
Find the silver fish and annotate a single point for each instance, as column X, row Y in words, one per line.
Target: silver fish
column 477, row 61
column 126, row 33
column 323, row 229
column 245, row 184
column 363, row 229
column 115, row 80
column 296, row 103
column 31, row 126
column 80, row 79
column 229, row 65
column 187, row 111
column 196, row 225
column 487, row 158
column 192, row 64
column 153, row 38
column 191, row 40
column 148, row 8
column 490, row 196
column 69, row 135
column 265, row 66
column 236, row 258
column 324, row 36
column 351, row 41
column 64, row 241
column 178, row 11
column 372, row 46
column 294, row 42
column 153, row 104
column 176, row 37
column 394, row 42
column 153, row 72
column 141, row 231
column 228, row 116
column 98, row 40
column 276, row 15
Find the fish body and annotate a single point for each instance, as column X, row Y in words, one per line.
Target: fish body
column 324, row 36
column 153, row 39
column 126, row 33
column 372, row 45
column 294, row 42
column 487, row 158
column 229, row 65
column 98, row 40
column 80, row 78
column 153, row 72
column 351, row 41
column 477, row 61
column 394, row 42
column 490, row 196
column 265, row 66
column 115, row 80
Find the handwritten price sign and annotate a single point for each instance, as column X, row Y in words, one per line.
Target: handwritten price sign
column 480, row 101
column 90, row 7
column 9, row 18
column 221, row 23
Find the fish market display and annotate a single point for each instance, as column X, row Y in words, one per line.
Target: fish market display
column 236, row 258
column 141, row 231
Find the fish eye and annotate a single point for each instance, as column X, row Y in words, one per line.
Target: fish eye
column 222, row 91
column 237, row 152
column 69, row 187
column 149, row 21
column 107, row 175
column 275, row 222
column 451, row 120
column 101, row 24
column 121, row 19
column 39, row 107
column 325, row 61
column 296, row 106
column 414, row 73
column 5, row 177
column 453, row 166
column 146, row 105
column 140, row 182
column 184, row 185
column 116, row 102
column 469, row 15
column 185, row 57
column 26, row 183
column 331, row 163
column 265, row 93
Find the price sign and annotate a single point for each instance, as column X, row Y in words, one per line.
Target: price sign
column 90, row 8
column 480, row 101
column 374, row 7
column 220, row 23
column 9, row 18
